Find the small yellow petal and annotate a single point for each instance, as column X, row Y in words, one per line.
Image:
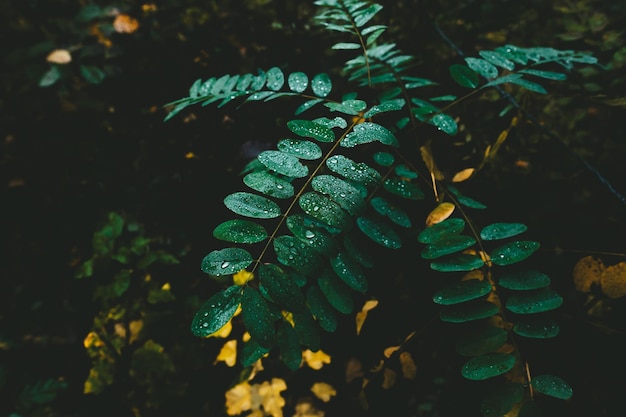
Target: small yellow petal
column 241, row 277
column 228, row 353
column 315, row 360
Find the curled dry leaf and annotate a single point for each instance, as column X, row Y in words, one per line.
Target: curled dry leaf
column 362, row 315
column 440, row 213
column 59, row 56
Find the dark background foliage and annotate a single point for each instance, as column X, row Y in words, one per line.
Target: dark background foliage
column 81, row 148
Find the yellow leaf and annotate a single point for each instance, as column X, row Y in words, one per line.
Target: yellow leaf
column 272, row 402
column 409, row 370
column 125, row 24
column 475, row 274
column 587, row 272
column 389, row 378
column 166, row 287
column 92, row 340
column 59, row 56
column 362, row 315
column 323, row 391
column 613, row 280
column 256, row 368
column 440, row 213
column 149, row 7
column 228, row 353
column 306, row 409
column 463, row 175
column 390, row 350
column 241, row 277
column 315, row 360
column 239, row 399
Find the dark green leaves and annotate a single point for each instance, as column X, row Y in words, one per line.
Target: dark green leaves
column 462, row 291
column 488, row 365
column 290, row 351
column 524, row 280
column 302, row 149
column 321, row 85
column 536, row 301
column 252, row 205
column 464, row 76
column 343, row 193
column 281, row 288
column 240, row 231
column 513, row 252
column 379, row 232
column 356, row 172
column 226, row 261
column 269, row 184
column 216, row 312
column 309, row 129
column 325, row 210
column 257, row 316
column 552, row 386
column 336, row 292
column 284, row 164
column 455, row 263
column 502, row 230
column 367, row 132
column 349, row 271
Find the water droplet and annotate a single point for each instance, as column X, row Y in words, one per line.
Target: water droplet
column 225, row 264
column 205, row 324
column 279, row 186
column 316, row 208
column 309, row 234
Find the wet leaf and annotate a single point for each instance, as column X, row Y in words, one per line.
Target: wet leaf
column 312, row 232
column 50, row 77
column 302, row 149
column 283, row 163
column 321, row 85
column 306, row 329
column 384, row 158
column 281, row 288
column 321, row 309
column 252, row 205
column 553, row 386
column 549, row 75
column 393, row 213
column 462, row 291
column 379, row 232
column 325, row 210
column 444, row 123
column 537, row 329
column 309, row 129
column 502, row 230
column 356, row 172
column 488, row 366
column 269, row 184
column 455, row 263
column 336, row 292
column 367, row 132
column 497, row 59
column 524, row 280
column 226, row 261
column 240, row 231
column 513, row 252
column 251, row 352
column 447, row 245
column 484, row 68
column 257, row 317
column 440, row 231
column 292, row 252
column 275, row 79
column 346, row 195
column 216, row 312
column 92, row 74
column 403, row 188
column 298, row 81
column 535, row 301
column 351, row 107
column 349, row 271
